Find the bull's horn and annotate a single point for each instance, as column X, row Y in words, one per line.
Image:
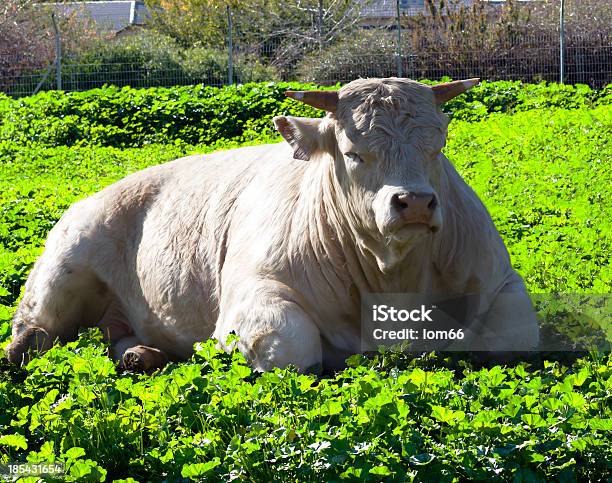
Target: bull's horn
column 445, row 92
column 326, row 100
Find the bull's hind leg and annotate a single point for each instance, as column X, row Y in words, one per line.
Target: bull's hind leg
column 512, row 326
column 32, row 339
column 136, row 357
column 127, row 348
column 59, row 298
column 142, row 358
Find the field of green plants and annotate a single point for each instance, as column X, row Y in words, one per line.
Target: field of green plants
column 540, row 158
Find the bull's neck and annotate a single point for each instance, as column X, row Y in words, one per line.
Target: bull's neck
column 432, row 263
column 334, row 242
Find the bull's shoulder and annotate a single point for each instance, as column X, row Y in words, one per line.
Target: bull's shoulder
column 191, row 183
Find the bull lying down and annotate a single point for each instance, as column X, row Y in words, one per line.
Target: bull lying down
column 278, row 243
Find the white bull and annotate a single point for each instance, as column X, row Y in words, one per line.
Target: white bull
column 278, row 243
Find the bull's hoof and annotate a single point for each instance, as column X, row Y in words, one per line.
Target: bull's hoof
column 31, row 340
column 144, row 359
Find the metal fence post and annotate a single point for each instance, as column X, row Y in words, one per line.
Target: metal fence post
column 399, row 40
column 561, row 42
column 320, row 25
column 58, row 54
column 230, row 69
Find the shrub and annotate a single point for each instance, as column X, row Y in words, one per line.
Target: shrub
column 199, row 114
column 201, row 64
column 134, row 117
column 147, row 60
column 372, row 53
column 369, row 54
column 27, row 44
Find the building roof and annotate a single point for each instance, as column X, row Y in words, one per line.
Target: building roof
column 383, row 9
column 109, row 16
column 388, row 8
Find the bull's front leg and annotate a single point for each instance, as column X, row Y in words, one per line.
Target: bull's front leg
column 273, row 328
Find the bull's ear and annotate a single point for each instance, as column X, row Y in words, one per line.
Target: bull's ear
column 305, row 135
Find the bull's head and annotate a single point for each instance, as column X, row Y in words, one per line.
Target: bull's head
column 385, row 137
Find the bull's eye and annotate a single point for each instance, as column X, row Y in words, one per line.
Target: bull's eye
column 354, row 157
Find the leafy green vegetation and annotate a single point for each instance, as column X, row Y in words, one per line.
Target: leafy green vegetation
column 545, row 176
column 211, row 417
column 126, row 117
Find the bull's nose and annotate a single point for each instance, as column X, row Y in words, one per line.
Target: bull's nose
column 414, row 207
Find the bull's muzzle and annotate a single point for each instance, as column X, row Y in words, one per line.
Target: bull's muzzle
column 415, row 208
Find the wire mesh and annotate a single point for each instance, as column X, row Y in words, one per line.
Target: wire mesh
column 367, row 49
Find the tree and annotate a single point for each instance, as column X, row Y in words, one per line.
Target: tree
column 23, row 44
column 27, row 40
column 279, row 31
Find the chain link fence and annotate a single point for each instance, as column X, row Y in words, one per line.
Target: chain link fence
column 76, row 76
column 385, row 38
column 530, row 59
